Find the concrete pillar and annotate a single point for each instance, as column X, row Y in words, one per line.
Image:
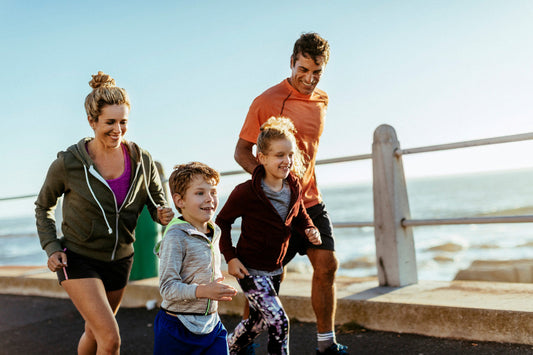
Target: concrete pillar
column 395, row 251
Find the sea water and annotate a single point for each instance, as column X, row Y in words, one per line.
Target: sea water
column 441, row 251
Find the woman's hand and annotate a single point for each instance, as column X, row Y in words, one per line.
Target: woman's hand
column 165, row 215
column 57, row 261
column 237, row 269
column 313, row 235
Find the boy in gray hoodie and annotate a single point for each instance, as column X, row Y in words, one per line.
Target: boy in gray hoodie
column 190, row 280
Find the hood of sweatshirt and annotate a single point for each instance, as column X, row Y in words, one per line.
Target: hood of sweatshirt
column 189, row 229
column 80, row 152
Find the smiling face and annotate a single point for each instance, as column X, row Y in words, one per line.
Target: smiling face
column 111, row 125
column 278, row 159
column 306, row 73
column 199, row 203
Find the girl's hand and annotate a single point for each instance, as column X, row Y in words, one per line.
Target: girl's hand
column 216, row 290
column 57, row 261
column 165, row 215
column 313, row 235
column 237, row 269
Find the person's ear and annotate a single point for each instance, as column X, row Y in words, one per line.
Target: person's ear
column 91, row 121
column 261, row 158
column 178, row 200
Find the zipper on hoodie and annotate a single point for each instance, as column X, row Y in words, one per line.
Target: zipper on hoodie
column 99, row 177
column 212, row 263
column 93, row 172
column 201, row 235
column 177, row 220
column 118, row 209
column 212, row 273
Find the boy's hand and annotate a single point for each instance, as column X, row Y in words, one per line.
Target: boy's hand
column 237, row 269
column 165, row 215
column 313, row 235
column 216, row 290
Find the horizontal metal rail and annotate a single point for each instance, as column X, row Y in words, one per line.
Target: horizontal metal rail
column 466, row 144
column 430, row 148
column 318, row 162
column 353, row 224
column 467, row 220
column 17, row 197
column 408, row 222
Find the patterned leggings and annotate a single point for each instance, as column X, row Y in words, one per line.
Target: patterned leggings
column 266, row 312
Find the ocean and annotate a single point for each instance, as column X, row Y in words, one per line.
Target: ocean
column 441, row 251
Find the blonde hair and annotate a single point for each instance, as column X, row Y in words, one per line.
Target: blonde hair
column 180, row 179
column 104, row 93
column 281, row 128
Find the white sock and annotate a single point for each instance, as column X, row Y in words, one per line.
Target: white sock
column 325, row 340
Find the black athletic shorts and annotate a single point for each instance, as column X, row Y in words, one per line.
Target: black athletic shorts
column 299, row 243
column 114, row 274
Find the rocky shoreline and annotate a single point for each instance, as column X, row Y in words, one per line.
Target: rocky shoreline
column 519, row 271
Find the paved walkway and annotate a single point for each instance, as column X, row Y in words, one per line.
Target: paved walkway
column 468, row 310
column 40, row 325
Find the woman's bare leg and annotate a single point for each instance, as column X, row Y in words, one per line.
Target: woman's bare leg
column 98, row 309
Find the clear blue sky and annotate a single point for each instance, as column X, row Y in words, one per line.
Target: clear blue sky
column 437, row 71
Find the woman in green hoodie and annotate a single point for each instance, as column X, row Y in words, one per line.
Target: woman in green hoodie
column 105, row 182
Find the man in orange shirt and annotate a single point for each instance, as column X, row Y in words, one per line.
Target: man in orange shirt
column 298, row 98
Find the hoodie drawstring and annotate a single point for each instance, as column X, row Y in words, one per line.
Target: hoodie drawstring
column 109, row 230
column 146, row 184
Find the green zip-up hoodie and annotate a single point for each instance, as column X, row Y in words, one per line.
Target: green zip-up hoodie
column 93, row 225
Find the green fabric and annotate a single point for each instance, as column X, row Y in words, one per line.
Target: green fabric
column 93, row 225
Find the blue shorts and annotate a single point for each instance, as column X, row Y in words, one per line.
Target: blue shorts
column 172, row 337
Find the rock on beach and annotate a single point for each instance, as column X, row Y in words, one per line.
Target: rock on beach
column 520, row 271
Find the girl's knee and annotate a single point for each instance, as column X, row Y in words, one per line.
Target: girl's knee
column 279, row 324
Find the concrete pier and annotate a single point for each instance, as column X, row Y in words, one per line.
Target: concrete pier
column 476, row 311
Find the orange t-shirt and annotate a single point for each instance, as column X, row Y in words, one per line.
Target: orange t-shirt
column 307, row 112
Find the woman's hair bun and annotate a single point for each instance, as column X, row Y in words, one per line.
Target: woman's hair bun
column 101, row 80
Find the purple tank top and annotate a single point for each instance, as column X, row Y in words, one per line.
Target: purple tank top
column 121, row 185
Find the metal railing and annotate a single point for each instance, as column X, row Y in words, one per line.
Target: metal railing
column 392, row 223
column 17, row 197
column 458, row 145
column 399, row 153
column 395, row 253
column 433, row 148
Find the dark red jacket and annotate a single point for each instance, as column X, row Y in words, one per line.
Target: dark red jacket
column 264, row 235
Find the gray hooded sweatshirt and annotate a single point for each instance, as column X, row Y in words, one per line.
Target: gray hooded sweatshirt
column 189, row 258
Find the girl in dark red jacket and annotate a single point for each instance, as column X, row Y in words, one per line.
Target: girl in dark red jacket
column 269, row 205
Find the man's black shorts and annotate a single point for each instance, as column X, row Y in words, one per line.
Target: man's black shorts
column 299, row 243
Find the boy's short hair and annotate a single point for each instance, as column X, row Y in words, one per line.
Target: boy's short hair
column 180, row 179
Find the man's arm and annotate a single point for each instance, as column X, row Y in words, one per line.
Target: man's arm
column 244, row 155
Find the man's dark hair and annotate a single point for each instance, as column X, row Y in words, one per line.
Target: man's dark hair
column 311, row 45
